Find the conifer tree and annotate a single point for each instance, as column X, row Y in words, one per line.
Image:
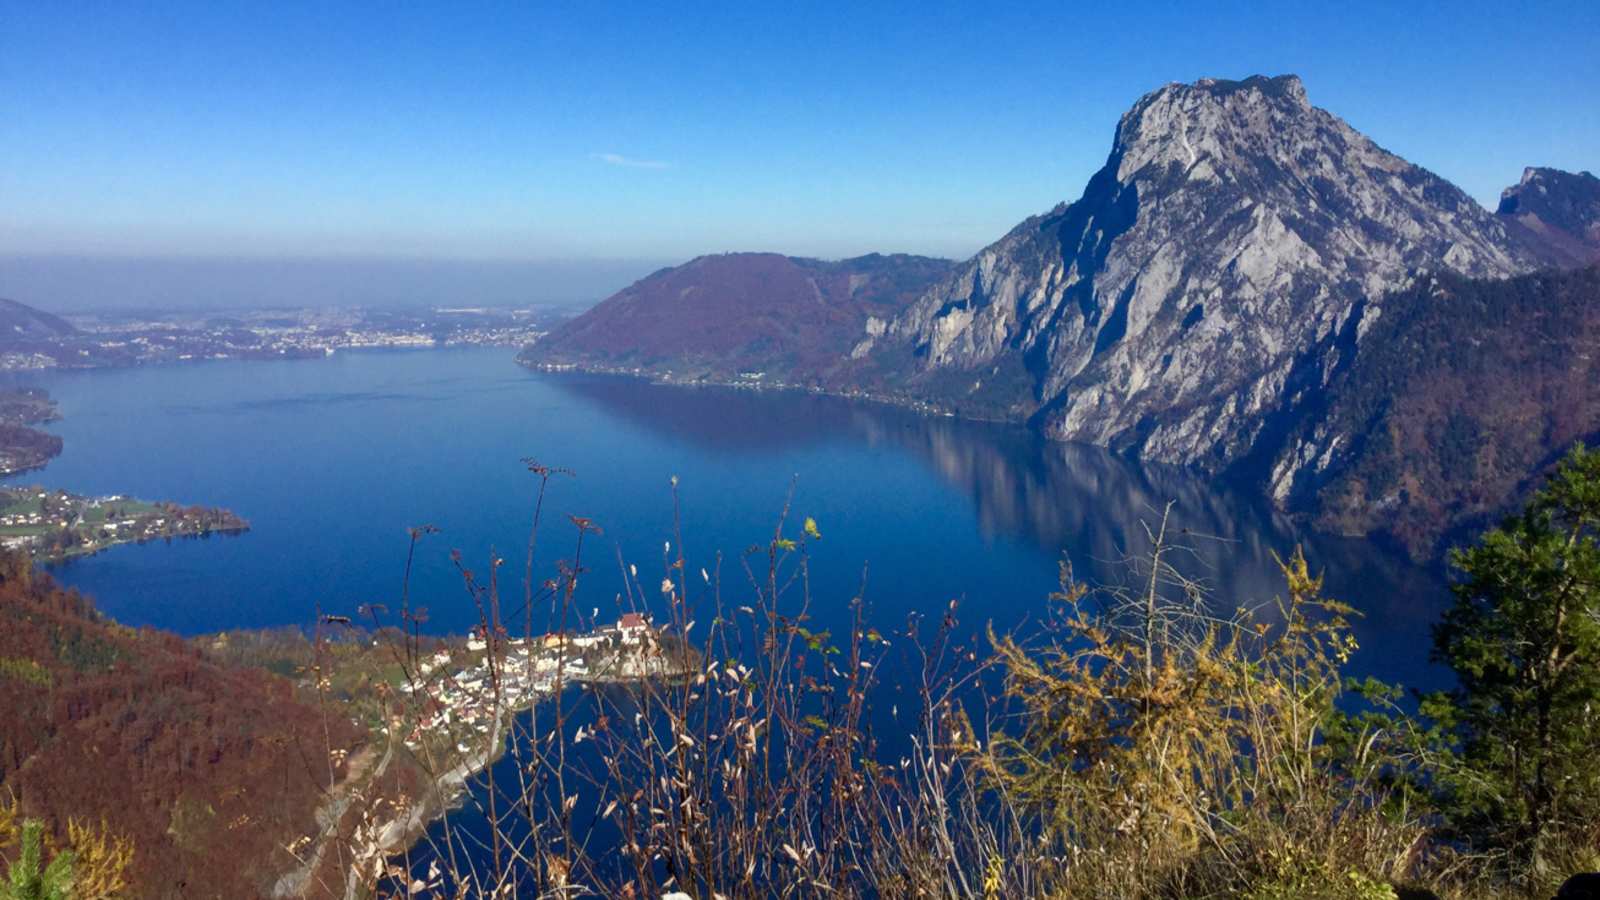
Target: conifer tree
column 29, row 878
column 1524, row 641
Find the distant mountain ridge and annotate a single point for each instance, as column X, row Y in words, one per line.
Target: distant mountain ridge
column 721, row 316
column 1557, row 212
column 19, row 322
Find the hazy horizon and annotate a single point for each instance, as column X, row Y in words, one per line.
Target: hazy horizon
column 77, row 284
column 206, row 155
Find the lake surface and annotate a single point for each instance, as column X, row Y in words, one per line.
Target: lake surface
column 332, row 460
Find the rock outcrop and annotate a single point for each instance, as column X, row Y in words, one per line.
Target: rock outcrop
column 1556, row 213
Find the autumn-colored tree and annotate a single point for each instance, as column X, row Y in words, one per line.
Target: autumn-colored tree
column 1164, row 750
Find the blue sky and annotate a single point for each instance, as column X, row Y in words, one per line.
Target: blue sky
column 533, row 132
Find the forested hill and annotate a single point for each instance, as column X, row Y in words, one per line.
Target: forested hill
column 1464, row 393
column 20, row 322
column 23, row 447
column 209, row 771
column 764, row 315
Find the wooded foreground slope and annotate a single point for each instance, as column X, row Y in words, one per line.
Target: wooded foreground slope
column 209, row 770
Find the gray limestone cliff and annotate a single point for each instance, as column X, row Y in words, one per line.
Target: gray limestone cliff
column 1232, row 251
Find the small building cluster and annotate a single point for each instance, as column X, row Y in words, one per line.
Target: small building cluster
column 462, row 703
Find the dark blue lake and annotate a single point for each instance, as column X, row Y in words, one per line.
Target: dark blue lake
column 332, row 460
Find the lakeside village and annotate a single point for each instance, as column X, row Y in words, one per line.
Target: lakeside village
column 748, row 380
column 53, row 525
column 456, row 697
column 451, row 722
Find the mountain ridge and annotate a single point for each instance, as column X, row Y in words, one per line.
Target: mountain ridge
column 1556, row 212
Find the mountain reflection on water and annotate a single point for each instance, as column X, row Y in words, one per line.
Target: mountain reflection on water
column 1078, row 502
column 1031, row 501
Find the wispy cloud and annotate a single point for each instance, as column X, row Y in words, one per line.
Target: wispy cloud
column 628, row 162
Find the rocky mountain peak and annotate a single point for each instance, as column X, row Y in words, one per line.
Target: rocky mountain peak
column 1556, row 212
column 1212, row 119
column 1202, row 126
column 1542, row 186
column 1235, row 245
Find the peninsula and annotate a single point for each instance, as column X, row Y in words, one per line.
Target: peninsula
column 53, row 525
column 439, row 712
column 23, row 447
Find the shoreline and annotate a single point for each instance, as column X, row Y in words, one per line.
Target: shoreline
column 67, row 558
column 928, row 408
column 55, row 526
column 391, row 824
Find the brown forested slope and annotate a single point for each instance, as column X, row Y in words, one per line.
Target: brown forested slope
column 718, row 316
column 1464, row 393
column 209, row 770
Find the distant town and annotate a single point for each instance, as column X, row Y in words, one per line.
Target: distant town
column 136, row 338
